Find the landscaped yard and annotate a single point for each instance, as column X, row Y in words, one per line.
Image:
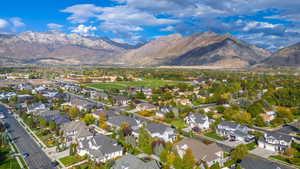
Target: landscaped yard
column 7, row 162
column 125, row 84
column 48, row 139
column 179, row 124
column 214, row 136
column 294, row 161
column 70, row 160
column 251, row 146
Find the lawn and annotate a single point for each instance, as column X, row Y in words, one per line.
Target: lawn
column 70, row 160
column 7, row 163
column 124, row 84
column 294, row 161
column 179, row 124
column 214, row 136
column 251, row 146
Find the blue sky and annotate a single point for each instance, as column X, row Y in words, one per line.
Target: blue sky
column 267, row 23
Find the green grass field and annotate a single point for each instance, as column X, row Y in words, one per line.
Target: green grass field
column 125, row 84
column 251, row 146
column 214, row 136
column 179, row 124
column 69, row 160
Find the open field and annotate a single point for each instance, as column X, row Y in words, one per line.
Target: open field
column 125, row 84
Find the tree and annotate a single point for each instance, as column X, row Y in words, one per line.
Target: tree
column 163, row 155
column 73, row 149
column 290, row 151
column 29, row 121
column 74, row 112
column 188, row 160
column 178, row 162
column 215, row 166
column 52, row 125
column 89, row 119
column 170, row 159
column 145, row 141
column 240, row 152
column 43, row 123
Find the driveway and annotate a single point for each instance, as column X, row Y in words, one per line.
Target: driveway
column 263, row 152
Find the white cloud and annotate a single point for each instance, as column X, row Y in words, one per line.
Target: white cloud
column 3, row 24
column 11, row 25
column 167, row 29
column 54, row 26
column 82, row 13
column 17, row 22
column 259, row 25
column 84, row 30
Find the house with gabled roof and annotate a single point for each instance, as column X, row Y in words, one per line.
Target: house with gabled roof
column 197, row 120
column 275, row 141
column 161, row 131
column 74, row 131
column 209, row 154
column 99, row 148
column 234, row 131
column 130, row 161
column 145, row 106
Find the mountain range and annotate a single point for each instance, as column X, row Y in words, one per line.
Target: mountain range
column 203, row 49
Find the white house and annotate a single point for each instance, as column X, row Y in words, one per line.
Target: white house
column 99, row 148
column 200, row 121
column 161, row 131
column 275, row 141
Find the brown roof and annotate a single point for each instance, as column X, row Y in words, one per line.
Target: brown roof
column 200, row 150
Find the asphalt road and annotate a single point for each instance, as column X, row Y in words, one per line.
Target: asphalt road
column 37, row 159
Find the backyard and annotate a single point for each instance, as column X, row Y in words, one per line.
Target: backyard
column 70, row 160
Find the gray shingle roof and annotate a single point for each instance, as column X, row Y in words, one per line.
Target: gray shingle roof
column 132, row 162
column 157, row 128
column 118, row 120
column 258, row 163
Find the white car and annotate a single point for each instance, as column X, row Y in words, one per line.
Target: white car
column 2, row 116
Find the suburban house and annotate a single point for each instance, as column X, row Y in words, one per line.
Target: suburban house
column 121, row 100
column 130, row 161
column 81, row 104
column 164, row 110
column 183, row 101
column 145, row 107
column 107, row 113
column 146, row 90
column 158, row 130
column 196, row 120
column 275, row 141
column 117, row 121
column 98, row 95
column 75, row 130
column 203, row 153
column 36, row 108
column 234, row 131
column 268, row 116
column 99, row 148
column 24, row 86
column 24, row 98
column 55, row 116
